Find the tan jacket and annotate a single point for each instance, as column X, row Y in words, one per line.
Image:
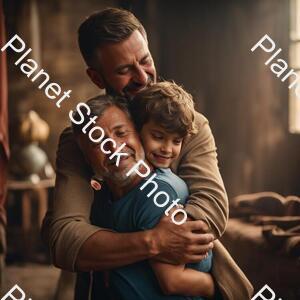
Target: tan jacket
column 66, row 226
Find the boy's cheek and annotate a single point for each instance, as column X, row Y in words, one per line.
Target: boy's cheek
column 145, row 140
column 151, row 144
column 177, row 152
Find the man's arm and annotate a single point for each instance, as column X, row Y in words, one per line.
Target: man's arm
column 108, row 250
column 76, row 244
column 198, row 167
column 66, row 225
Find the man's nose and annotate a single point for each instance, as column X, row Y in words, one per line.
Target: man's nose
column 141, row 76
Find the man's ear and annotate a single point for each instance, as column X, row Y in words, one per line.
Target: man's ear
column 95, row 77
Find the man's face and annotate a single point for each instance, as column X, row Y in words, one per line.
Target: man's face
column 117, row 126
column 124, row 68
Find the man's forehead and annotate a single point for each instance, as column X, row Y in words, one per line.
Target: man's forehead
column 114, row 118
column 124, row 52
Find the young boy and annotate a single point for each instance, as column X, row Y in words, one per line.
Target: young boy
column 164, row 115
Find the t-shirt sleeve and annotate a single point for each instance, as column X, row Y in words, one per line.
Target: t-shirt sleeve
column 147, row 213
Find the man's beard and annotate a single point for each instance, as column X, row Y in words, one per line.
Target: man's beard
column 119, row 177
column 132, row 88
column 129, row 88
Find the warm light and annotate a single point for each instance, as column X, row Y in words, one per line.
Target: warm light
column 294, row 101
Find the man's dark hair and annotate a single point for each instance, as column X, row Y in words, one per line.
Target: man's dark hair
column 111, row 25
column 98, row 105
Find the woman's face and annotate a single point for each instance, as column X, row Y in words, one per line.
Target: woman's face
column 161, row 147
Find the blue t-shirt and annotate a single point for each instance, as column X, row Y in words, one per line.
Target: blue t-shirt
column 135, row 212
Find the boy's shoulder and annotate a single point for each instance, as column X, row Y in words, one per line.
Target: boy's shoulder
column 151, row 200
column 166, row 175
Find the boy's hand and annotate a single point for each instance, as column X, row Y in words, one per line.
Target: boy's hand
column 181, row 244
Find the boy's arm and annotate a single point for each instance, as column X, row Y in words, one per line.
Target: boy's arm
column 172, row 279
column 178, row 280
column 198, row 167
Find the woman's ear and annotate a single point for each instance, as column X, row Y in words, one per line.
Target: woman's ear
column 95, row 77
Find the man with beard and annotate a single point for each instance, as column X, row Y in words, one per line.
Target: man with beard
column 115, row 48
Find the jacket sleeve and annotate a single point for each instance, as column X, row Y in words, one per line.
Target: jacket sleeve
column 198, row 167
column 232, row 282
column 66, row 225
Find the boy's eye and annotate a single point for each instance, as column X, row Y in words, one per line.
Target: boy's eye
column 177, row 141
column 157, row 136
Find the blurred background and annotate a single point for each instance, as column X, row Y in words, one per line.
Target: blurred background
column 204, row 46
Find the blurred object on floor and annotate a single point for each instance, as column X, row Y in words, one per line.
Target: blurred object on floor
column 29, row 161
column 27, row 204
column 278, row 216
column 266, row 204
column 262, row 263
column 33, row 129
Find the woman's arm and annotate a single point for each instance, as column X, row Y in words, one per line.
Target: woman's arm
column 180, row 280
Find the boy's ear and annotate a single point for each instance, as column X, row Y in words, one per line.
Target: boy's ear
column 95, row 77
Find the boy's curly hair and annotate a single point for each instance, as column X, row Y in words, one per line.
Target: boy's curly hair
column 168, row 105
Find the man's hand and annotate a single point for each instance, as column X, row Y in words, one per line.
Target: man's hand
column 181, row 244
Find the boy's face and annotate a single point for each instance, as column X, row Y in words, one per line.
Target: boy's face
column 161, row 147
